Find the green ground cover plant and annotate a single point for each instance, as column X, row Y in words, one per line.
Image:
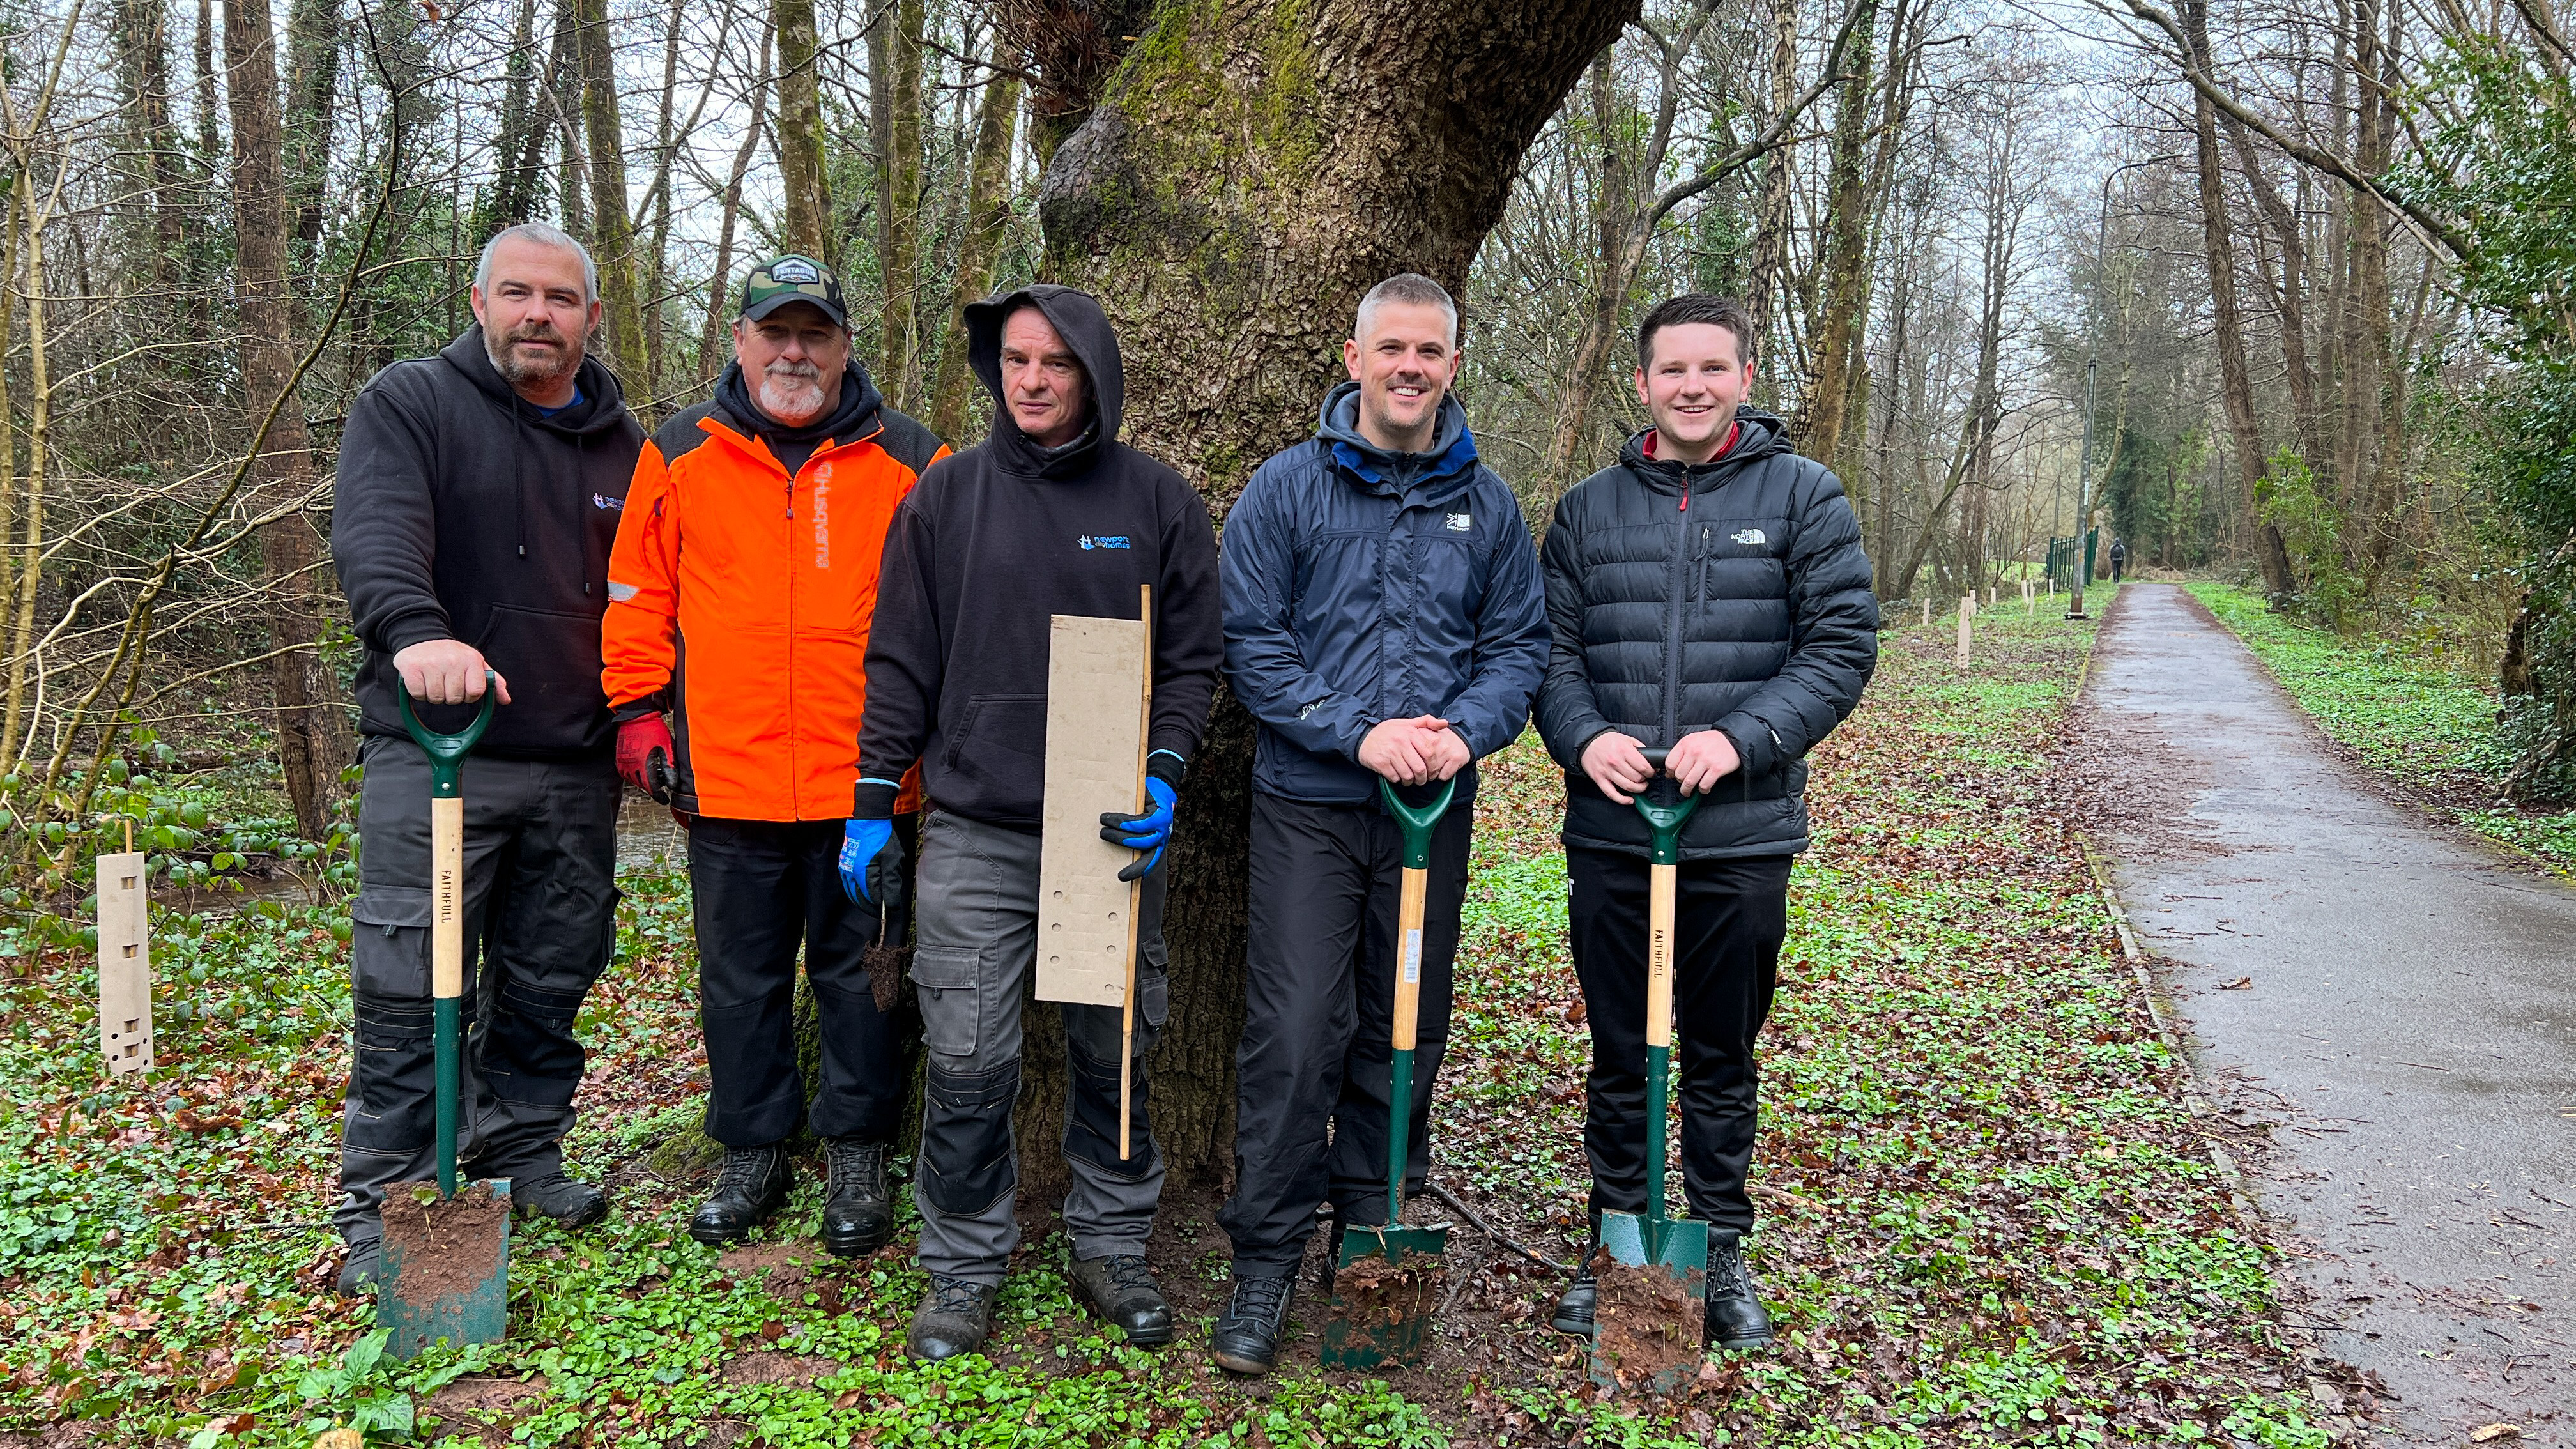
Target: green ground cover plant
column 1987, row 1217
column 2431, row 732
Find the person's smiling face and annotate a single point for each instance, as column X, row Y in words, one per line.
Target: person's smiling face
column 1692, row 387
column 1404, row 366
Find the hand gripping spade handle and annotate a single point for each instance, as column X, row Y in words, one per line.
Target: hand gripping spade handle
column 447, row 903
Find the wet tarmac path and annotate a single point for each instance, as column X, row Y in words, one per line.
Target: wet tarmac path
column 2394, row 997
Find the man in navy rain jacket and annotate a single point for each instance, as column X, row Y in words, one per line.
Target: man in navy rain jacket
column 1384, row 619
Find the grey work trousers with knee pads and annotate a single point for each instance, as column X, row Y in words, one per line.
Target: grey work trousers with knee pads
column 540, row 923
column 975, row 923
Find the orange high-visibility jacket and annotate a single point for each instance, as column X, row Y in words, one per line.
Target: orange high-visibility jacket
column 740, row 598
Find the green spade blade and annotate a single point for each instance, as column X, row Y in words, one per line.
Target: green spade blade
column 445, row 1273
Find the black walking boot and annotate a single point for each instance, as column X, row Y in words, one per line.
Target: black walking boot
column 568, row 1203
column 750, row 1186
column 1123, row 1290
column 1735, row 1315
column 858, row 1215
column 1247, row 1338
column 358, row 1271
column 1574, row 1307
column 953, row 1318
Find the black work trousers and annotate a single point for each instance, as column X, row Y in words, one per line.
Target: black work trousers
column 1319, row 1014
column 540, row 921
column 1729, row 918
column 762, row 888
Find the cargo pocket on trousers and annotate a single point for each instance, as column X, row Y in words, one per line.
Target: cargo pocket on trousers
column 946, row 979
column 389, row 945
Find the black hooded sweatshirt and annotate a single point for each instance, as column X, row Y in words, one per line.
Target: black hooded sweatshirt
column 464, row 513
column 992, row 542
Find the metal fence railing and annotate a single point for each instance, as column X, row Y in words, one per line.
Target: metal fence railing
column 2069, row 558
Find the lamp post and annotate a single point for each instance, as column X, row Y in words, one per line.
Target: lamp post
column 2092, row 360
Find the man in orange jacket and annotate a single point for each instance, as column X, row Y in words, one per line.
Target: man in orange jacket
column 740, row 595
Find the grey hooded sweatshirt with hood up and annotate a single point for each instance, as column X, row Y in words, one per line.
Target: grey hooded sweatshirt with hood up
column 996, row 539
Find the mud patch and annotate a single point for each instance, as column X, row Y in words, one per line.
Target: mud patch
column 1651, row 1329
column 786, row 1270
column 803, row 1370
column 1387, row 1305
column 448, row 1247
column 491, row 1405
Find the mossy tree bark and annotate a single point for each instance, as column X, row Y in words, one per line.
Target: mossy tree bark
column 1248, row 171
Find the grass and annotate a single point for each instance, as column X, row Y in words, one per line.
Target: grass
column 2429, row 731
column 1987, row 1219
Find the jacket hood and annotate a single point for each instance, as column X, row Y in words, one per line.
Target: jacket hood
column 1760, row 436
column 602, row 408
column 854, row 417
column 1452, row 452
column 1077, row 318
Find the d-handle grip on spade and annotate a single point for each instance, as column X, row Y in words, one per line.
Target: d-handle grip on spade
column 1664, row 818
column 1417, row 826
column 447, row 901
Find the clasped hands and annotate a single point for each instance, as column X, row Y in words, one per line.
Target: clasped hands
column 1617, row 763
column 1414, row 751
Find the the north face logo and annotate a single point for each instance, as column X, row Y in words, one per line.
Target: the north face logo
column 1751, row 537
column 1462, row 523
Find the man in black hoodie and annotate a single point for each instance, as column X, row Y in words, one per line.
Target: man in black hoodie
column 478, row 497
column 1051, row 515
column 1707, row 594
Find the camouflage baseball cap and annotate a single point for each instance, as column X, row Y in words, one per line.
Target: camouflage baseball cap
column 792, row 278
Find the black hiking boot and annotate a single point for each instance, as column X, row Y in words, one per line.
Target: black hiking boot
column 953, row 1318
column 1574, row 1307
column 858, row 1215
column 1123, row 1291
column 1735, row 1316
column 358, row 1270
column 750, row 1186
column 567, row 1203
column 1247, row 1337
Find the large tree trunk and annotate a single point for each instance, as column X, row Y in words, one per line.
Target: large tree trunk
column 612, row 225
column 312, row 730
column 988, row 213
column 521, row 141
column 313, row 84
column 806, row 223
column 1771, row 213
column 2236, row 386
column 1836, row 334
column 712, row 353
column 1239, row 186
column 894, row 90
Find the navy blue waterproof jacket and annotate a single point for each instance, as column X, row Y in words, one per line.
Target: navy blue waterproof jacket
column 1363, row 586
column 1732, row 595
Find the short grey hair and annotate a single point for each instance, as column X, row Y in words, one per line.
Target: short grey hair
column 544, row 236
column 1411, row 288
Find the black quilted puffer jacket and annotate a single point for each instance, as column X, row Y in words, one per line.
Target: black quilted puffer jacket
column 1731, row 595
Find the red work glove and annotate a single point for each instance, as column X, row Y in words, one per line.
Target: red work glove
column 644, row 753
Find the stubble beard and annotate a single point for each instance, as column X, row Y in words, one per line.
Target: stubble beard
column 520, row 370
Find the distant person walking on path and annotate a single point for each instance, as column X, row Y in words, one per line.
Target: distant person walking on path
column 1383, row 621
column 1050, row 515
column 479, row 495
column 742, row 586
column 2119, row 558
column 1708, row 594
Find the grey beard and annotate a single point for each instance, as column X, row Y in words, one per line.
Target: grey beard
column 795, row 401
column 506, row 362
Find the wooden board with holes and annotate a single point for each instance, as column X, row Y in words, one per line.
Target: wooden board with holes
column 124, row 964
column 1095, row 724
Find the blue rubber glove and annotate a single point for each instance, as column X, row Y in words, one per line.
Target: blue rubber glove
column 1148, row 832
column 871, row 862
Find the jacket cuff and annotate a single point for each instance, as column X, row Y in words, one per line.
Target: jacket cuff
column 873, row 800
column 1756, row 747
column 418, row 627
column 657, row 702
column 1166, row 766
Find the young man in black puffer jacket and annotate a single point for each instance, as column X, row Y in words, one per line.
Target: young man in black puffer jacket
column 1708, row 595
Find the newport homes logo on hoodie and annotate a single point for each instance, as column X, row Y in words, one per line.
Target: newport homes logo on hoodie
column 1091, row 541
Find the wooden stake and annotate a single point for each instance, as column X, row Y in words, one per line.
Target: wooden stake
column 124, row 962
column 2029, row 600
column 1136, row 887
column 1927, row 612
column 1967, row 610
